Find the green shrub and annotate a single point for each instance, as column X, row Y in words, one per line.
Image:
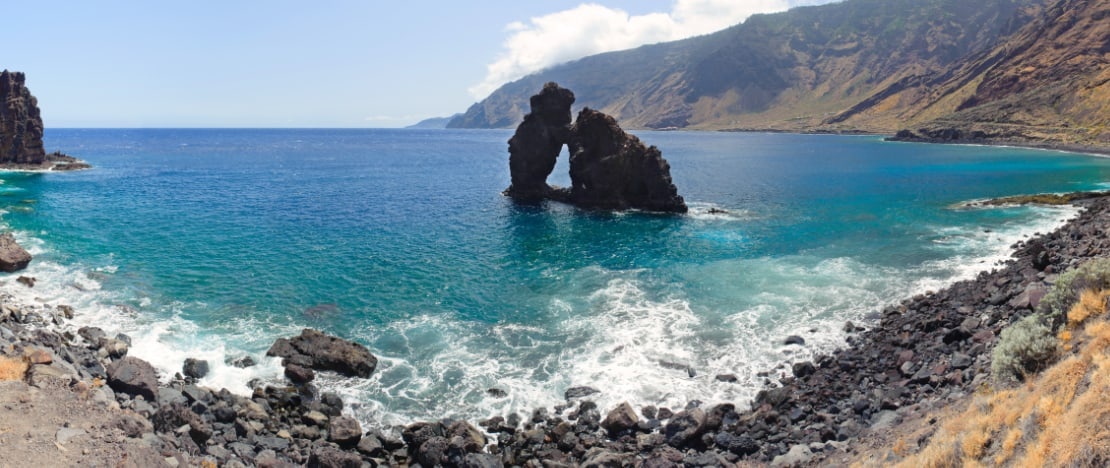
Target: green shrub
column 1023, row 348
column 1054, row 307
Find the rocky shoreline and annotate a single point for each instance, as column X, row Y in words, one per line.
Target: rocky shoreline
column 955, row 136
column 900, row 363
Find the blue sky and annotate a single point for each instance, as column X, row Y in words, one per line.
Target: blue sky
column 314, row 64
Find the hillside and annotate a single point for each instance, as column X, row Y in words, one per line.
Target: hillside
column 798, row 70
column 1046, row 84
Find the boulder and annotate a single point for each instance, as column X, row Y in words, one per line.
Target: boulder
column 13, row 257
column 299, row 375
column 345, row 431
column 331, row 457
column 195, row 368
column 315, row 350
column 133, row 376
column 620, row 419
column 684, row 427
column 465, row 438
column 172, row 416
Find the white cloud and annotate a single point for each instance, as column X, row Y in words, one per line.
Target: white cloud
column 590, row 29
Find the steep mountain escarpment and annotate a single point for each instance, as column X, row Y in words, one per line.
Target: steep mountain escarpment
column 20, row 123
column 1047, row 85
column 799, row 70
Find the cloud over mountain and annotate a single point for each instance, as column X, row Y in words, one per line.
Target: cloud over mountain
column 591, row 28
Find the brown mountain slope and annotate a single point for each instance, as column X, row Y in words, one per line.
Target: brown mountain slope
column 1048, row 82
column 791, row 71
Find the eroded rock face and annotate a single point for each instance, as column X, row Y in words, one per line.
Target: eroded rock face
column 535, row 146
column 609, row 168
column 20, row 122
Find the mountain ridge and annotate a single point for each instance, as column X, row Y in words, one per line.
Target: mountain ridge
column 856, row 66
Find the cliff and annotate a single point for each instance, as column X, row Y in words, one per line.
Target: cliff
column 21, row 130
column 20, row 122
column 789, row 71
column 1046, row 85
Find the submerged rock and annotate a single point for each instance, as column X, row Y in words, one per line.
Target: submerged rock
column 13, row 257
column 609, row 169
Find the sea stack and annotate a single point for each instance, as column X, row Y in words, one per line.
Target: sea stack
column 535, row 146
column 20, row 122
column 609, row 168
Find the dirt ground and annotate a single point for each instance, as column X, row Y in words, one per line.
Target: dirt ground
column 53, row 424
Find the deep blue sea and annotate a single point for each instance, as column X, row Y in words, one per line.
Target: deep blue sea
column 212, row 243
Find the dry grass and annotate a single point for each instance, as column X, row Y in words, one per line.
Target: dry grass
column 1058, row 418
column 1091, row 304
column 12, row 368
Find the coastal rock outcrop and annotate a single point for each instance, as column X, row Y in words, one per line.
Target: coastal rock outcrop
column 612, row 169
column 315, row 350
column 13, row 257
column 535, row 146
column 20, row 122
column 609, row 168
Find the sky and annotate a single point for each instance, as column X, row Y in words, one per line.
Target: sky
column 341, row 63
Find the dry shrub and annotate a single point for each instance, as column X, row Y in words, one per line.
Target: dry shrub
column 1058, row 418
column 12, row 368
column 1091, row 304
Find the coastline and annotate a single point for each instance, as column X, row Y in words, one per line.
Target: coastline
column 1046, row 145
column 815, row 408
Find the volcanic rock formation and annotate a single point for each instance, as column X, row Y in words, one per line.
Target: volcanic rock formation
column 20, row 122
column 537, row 141
column 609, row 169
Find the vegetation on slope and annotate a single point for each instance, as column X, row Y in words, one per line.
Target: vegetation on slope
column 1058, row 417
column 1048, row 82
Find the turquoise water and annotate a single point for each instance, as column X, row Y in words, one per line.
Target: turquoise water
column 212, row 243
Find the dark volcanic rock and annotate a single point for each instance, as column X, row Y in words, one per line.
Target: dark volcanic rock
column 535, row 146
column 330, row 457
column 579, row 392
column 13, row 257
column 20, row 122
column 318, row 351
column 611, row 169
column 176, row 415
column 133, row 376
column 344, row 431
column 685, row 427
column 621, row 418
column 299, row 375
column 195, row 368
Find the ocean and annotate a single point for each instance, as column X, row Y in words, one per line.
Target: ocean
column 211, row 243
